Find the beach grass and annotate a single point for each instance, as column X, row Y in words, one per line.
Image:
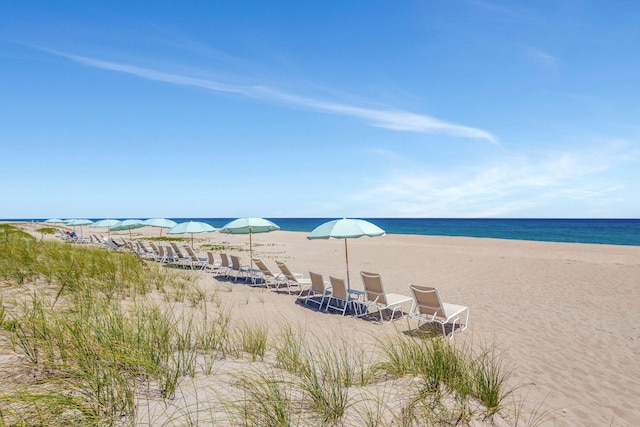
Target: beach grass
column 97, row 331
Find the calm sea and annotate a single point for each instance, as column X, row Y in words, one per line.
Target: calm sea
column 605, row 231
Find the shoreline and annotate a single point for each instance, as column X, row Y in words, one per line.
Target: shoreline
column 562, row 316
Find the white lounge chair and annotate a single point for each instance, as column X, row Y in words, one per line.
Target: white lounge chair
column 264, row 274
column 196, row 262
column 294, row 279
column 428, row 307
column 375, row 296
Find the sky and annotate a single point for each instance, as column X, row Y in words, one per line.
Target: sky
column 362, row 108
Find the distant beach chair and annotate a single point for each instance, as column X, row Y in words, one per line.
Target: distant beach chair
column 375, row 296
column 196, row 262
column 428, row 307
column 213, row 264
column 294, row 279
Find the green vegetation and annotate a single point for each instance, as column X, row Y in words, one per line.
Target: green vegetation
column 46, row 230
column 99, row 332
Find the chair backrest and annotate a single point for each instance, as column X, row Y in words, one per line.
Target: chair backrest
column 373, row 287
column 428, row 300
column 212, row 260
column 154, row 247
column 317, row 282
column 177, row 250
column 338, row 288
column 225, row 259
column 160, row 251
column 262, row 266
column 191, row 253
column 285, row 270
column 169, row 251
column 235, row 262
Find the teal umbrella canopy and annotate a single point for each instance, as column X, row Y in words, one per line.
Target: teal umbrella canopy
column 79, row 222
column 249, row 226
column 55, row 221
column 74, row 222
column 346, row 228
column 191, row 227
column 105, row 223
column 127, row 224
column 160, row 223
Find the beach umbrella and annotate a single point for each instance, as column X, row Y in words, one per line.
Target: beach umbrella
column 346, row 228
column 249, row 226
column 55, row 221
column 105, row 223
column 160, row 223
column 79, row 222
column 127, row 224
column 191, row 227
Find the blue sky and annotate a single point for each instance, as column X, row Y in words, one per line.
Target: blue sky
column 466, row 108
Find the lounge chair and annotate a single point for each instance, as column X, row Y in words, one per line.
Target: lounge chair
column 266, row 276
column 144, row 251
column 340, row 299
column 182, row 260
column 318, row 287
column 226, row 265
column 196, row 262
column 375, row 296
column 239, row 270
column 294, row 279
column 213, row 264
column 428, row 307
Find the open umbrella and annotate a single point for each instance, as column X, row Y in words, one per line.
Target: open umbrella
column 191, row 227
column 249, row 226
column 105, row 223
column 346, row 229
column 55, row 221
column 79, row 222
column 127, row 224
column 160, row 223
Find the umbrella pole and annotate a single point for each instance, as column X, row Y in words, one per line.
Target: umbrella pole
column 250, row 249
column 191, row 240
column 346, row 257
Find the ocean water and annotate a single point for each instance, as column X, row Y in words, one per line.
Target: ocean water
column 603, row 231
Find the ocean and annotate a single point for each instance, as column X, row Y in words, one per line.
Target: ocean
column 599, row 231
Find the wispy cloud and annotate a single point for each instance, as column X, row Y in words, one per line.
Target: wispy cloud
column 391, row 119
column 541, row 58
column 509, row 186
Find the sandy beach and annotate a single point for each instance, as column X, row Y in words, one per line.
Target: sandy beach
column 563, row 316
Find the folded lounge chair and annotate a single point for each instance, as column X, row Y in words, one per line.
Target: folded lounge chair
column 375, row 296
column 428, row 307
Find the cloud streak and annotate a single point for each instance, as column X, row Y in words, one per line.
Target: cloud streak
column 391, row 119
